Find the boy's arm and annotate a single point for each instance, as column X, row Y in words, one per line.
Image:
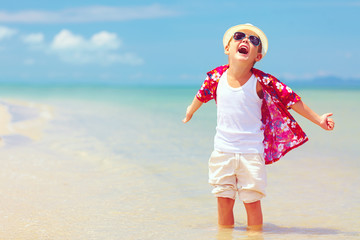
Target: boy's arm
column 323, row 121
column 191, row 109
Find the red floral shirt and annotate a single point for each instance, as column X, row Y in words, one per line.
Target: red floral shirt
column 281, row 132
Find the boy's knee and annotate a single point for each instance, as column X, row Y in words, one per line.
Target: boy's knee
column 224, row 191
column 250, row 196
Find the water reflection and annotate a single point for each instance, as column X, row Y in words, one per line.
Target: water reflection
column 280, row 231
column 238, row 233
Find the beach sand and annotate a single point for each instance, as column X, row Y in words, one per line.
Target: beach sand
column 18, row 182
column 118, row 167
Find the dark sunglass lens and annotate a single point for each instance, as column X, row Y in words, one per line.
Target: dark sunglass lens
column 254, row 40
column 239, row 35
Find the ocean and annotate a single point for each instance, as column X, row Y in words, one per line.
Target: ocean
column 105, row 162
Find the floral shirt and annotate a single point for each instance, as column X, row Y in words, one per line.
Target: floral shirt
column 281, row 132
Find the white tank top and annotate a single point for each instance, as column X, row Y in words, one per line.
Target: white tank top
column 238, row 118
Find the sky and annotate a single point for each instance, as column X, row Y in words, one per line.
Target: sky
column 171, row 42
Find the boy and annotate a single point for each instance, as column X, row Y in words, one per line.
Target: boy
column 254, row 126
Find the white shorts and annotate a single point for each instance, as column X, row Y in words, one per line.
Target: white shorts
column 242, row 173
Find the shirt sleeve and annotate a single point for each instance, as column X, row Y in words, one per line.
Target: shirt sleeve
column 207, row 90
column 285, row 94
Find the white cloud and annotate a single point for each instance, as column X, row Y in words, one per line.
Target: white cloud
column 106, row 39
column 33, row 39
column 101, row 48
column 102, row 40
column 88, row 14
column 6, row 32
column 67, row 40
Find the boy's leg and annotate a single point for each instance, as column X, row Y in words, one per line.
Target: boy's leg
column 254, row 215
column 225, row 212
column 253, row 183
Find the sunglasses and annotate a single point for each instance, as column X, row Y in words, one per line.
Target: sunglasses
column 253, row 39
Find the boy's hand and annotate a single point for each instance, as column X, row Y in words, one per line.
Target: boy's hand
column 188, row 115
column 194, row 106
column 326, row 122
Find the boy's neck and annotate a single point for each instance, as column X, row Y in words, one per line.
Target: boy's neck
column 239, row 73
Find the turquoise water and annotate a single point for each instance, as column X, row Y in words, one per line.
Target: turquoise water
column 118, row 163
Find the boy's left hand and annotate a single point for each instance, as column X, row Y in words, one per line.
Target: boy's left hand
column 326, row 122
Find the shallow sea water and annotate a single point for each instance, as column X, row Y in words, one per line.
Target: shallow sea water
column 120, row 164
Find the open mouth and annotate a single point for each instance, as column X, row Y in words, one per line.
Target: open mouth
column 243, row 50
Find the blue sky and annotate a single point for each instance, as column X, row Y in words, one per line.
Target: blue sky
column 171, row 42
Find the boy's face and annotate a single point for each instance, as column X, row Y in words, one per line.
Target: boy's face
column 243, row 50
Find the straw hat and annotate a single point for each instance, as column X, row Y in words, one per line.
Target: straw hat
column 230, row 32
